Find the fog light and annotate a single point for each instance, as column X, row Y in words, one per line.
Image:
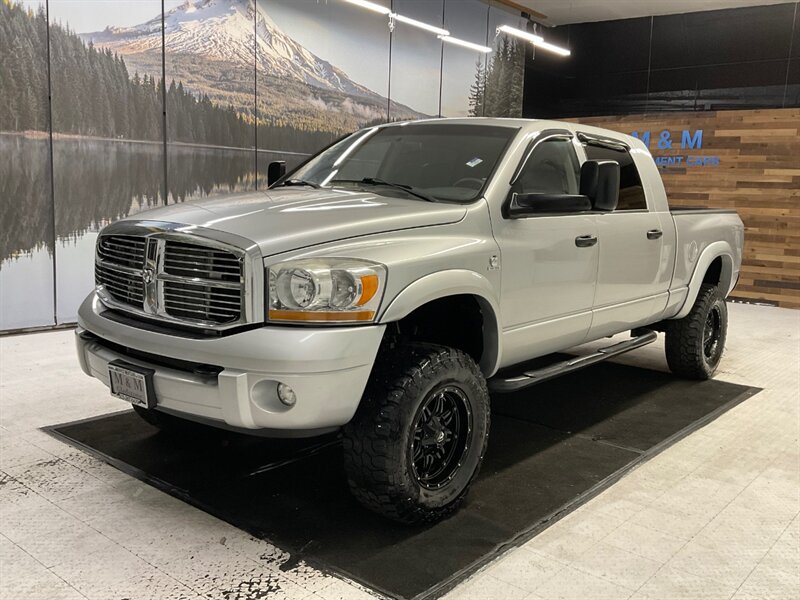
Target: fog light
column 286, row 394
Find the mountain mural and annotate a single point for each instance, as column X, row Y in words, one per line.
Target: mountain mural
column 210, row 46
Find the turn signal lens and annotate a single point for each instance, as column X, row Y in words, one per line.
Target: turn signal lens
column 369, row 285
column 299, row 315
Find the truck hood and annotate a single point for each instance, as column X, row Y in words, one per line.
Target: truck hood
column 287, row 219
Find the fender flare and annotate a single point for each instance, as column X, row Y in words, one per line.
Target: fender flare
column 454, row 282
column 726, row 279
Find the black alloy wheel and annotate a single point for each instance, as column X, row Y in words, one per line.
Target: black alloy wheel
column 442, row 431
column 711, row 334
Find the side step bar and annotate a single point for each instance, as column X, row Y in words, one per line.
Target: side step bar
column 528, row 378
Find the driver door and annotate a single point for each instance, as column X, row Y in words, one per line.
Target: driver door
column 549, row 261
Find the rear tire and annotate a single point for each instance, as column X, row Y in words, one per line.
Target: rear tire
column 694, row 344
column 419, row 436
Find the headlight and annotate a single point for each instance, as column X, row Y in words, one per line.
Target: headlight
column 328, row 290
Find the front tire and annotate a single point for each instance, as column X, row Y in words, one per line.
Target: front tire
column 694, row 344
column 420, row 433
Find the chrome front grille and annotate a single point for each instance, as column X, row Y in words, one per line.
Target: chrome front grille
column 123, row 286
column 125, row 250
column 174, row 277
column 192, row 260
column 191, row 301
column 204, row 283
column 118, row 268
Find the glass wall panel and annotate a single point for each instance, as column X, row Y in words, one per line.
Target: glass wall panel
column 107, row 128
column 26, row 209
column 322, row 72
column 210, row 98
column 505, row 66
column 462, row 68
column 416, row 61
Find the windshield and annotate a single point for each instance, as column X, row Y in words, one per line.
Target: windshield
column 422, row 161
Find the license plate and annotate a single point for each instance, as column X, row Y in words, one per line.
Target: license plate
column 132, row 383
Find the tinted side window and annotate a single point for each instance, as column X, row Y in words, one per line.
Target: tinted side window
column 631, row 192
column 552, row 168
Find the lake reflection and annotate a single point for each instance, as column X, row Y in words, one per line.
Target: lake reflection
column 96, row 182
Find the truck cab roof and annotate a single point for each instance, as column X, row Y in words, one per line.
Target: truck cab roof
column 531, row 126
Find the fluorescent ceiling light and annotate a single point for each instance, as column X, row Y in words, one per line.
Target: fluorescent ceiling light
column 552, row 48
column 464, row 43
column 534, row 39
column 370, row 6
column 378, row 8
column 420, row 24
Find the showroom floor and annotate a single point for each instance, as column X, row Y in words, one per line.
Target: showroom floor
column 715, row 516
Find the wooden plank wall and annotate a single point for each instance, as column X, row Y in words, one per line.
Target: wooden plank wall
column 758, row 175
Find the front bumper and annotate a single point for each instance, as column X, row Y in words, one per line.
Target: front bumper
column 327, row 367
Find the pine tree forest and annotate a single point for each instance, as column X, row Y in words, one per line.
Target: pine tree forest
column 95, row 95
column 497, row 89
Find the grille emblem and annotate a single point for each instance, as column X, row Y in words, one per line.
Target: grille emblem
column 152, row 287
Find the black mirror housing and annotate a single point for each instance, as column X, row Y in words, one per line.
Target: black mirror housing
column 275, row 171
column 537, row 204
column 600, row 183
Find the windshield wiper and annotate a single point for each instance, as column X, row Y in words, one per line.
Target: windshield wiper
column 399, row 186
column 291, row 182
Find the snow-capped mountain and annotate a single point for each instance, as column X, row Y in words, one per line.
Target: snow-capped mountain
column 224, row 30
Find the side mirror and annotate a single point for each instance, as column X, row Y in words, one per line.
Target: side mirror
column 275, row 171
column 600, row 183
column 536, row 204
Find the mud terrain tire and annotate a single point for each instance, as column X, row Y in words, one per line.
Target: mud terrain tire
column 420, row 433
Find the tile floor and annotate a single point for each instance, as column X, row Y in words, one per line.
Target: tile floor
column 715, row 516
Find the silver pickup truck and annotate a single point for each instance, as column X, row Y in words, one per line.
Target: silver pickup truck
column 386, row 285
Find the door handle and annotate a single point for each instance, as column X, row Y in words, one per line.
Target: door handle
column 654, row 234
column 584, row 241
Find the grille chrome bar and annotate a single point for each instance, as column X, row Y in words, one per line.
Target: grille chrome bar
column 189, row 299
column 217, row 263
column 120, row 287
column 184, row 252
column 123, row 250
column 200, row 281
column 126, row 288
column 204, row 312
column 110, row 277
column 116, row 271
column 170, row 265
column 123, row 294
column 105, row 263
column 126, row 246
column 205, row 278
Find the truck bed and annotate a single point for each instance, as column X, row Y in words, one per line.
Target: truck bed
column 697, row 229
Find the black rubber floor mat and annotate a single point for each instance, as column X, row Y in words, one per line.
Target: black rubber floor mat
column 552, row 447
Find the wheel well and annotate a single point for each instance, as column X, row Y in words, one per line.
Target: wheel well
column 714, row 272
column 455, row 321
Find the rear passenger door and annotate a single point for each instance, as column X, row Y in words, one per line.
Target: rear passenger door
column 634, row 269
